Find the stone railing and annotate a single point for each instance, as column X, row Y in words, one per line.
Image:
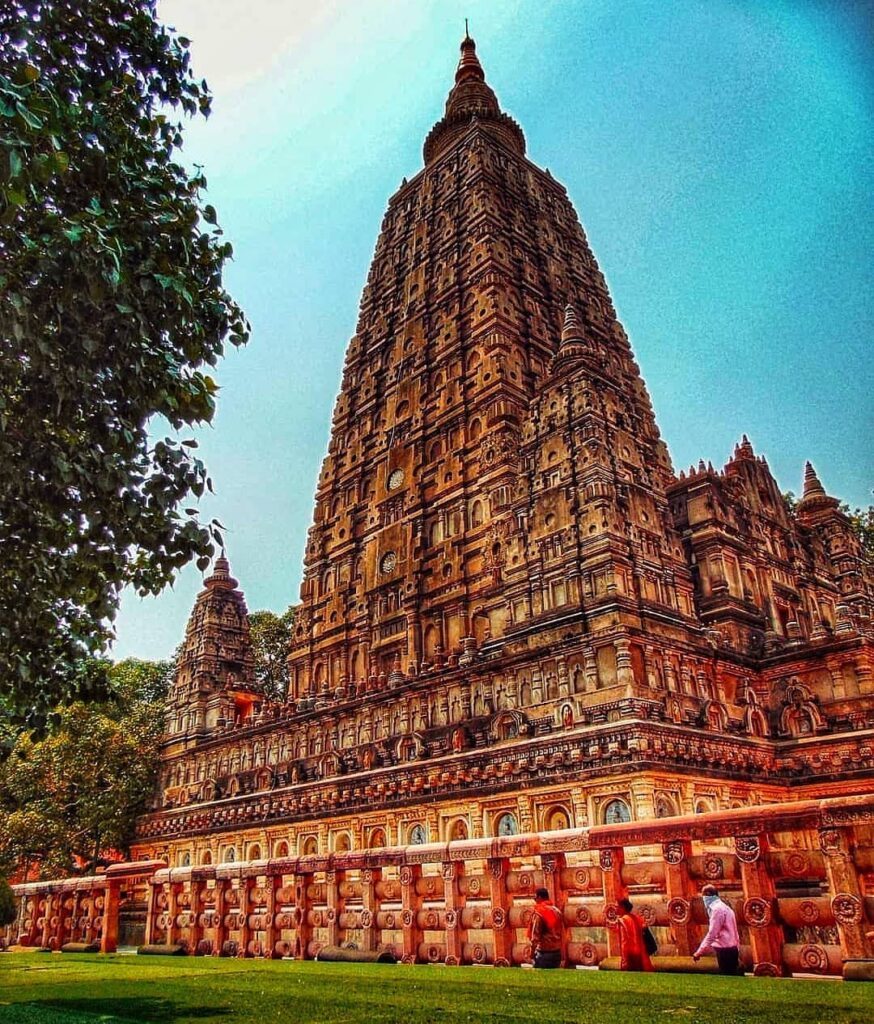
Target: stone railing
column 78, row 910
column 800, row 877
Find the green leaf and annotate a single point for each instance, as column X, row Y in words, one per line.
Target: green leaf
column 29, row 118
column 209, row 214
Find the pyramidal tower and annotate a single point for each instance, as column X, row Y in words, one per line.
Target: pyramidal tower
column 495, row 473
column 514, row 616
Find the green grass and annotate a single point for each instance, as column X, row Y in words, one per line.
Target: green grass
column 74, row 989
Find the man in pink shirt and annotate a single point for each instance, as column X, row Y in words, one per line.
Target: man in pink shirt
column 722, row 935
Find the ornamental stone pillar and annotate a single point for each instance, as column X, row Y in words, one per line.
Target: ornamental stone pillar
column 370, row 901
column 454, row 900
column 679, row 891
column 760, row 900
column 52, row 909
column 33, row 925
column 847, row 899
column 151, row 911
column 246, row 910
column 612, row 861
column 196, row 886
column 273, row 883
column 172, row 910
column 302, row 882
column 75, row 911
column 221, row 910
column 109, row 931
column 336, row 905
column 500, row 902
column 553, row 864
column 624, row 667
column 411, row 904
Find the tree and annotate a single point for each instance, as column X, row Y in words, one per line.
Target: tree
column 8, row 910
column 271, row 634
column 111, row 311
column 137, row 680
column 862, row 522
column 74, row 793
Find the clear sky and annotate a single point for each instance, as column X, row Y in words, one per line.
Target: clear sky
column 719, row 154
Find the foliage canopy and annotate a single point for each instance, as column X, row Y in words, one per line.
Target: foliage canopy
column 270, row 635
column 75, row 792
column 112, row 309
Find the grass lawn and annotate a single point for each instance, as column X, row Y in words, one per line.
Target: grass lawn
column 73, row 989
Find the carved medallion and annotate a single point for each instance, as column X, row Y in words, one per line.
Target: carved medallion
column 588, row 954
column 747, row 848
column 847, row 908
column 582, row 878
column 674, row 852
column 678, row 910
column 757, row 912
column 808, row 911
column 830, row 841
column 388, row 562
column 583, row 917
column 713, row 868
column 796, row 864
column 766, row 969
column 814, row 959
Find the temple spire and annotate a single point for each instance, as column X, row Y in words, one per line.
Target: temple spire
column 571, row 330
column 812, row 486
column 815, row 499
column 573, row 345
column 221, row 574
column 471, row 100
column 469, row 68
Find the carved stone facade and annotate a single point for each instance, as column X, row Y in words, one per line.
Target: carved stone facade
column 514, row 616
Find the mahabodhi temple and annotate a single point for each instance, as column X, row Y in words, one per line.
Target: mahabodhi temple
column 527, row 651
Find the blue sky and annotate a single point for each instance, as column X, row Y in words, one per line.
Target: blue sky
column 718, row 154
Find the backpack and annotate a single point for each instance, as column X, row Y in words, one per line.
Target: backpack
column 649, row 942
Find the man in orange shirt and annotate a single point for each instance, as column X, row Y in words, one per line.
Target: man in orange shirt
column 544, row 931
column 632, row 950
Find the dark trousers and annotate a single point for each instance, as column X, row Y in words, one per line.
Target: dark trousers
column 548, row 958
column 728, row 960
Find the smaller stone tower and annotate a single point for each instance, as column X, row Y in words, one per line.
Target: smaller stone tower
column 214, row 686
